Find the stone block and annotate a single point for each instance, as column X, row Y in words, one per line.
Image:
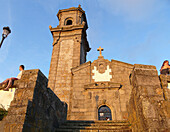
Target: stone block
column 145, row 100
column 34, row 106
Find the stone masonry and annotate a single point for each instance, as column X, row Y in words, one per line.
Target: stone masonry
column 165, row 79
column 102, row 95
column 148, row 109
column 88, row 94
column 88, row 86
column 34, row 107
column 69, row 50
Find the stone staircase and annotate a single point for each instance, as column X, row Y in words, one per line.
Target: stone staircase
column 94, row 126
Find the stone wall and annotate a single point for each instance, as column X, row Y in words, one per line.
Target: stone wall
column 165, row 79
column 34, row 107
column 81, row 76
column 70, row 47
column 6, row 97
column 147, row 111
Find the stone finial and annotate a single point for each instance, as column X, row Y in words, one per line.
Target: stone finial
column 50, row 27
column 100, row 49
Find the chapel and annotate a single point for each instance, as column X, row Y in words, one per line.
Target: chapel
column 79, row 96
column 95, row 90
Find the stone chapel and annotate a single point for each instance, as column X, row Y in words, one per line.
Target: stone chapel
column 87, row 87
column 93, row 90
column 80, row 96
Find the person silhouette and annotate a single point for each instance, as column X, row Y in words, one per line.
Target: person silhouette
column 165, row 67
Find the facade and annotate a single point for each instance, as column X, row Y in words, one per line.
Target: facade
column 98, row 84
column 77, row 94
column 85, row 86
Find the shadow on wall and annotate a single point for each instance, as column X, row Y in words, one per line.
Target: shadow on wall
column 45, row 112
column 3, row 113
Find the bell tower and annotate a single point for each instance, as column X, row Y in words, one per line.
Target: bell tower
column 70, row 47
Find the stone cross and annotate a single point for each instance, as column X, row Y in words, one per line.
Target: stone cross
column 100, row 49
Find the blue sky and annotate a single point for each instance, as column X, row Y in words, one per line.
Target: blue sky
column 132, row 31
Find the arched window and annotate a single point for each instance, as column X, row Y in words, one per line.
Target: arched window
column 69, row 22
column 104, row 113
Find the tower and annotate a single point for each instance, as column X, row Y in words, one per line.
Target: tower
column 70, row 47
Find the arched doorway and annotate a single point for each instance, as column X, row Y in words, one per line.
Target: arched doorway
column 104, row 113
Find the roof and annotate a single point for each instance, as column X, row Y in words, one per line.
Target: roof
column 71, row 9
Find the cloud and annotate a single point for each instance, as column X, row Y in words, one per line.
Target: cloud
column 133, row 10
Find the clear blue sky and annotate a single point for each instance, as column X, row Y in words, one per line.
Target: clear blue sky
column 132, row 31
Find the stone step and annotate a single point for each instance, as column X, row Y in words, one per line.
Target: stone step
column 93, row 130
column 95, row 123
column 95, row 126
column 86, row 121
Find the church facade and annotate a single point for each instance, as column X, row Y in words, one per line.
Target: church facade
column 85, row 96
column 86, row 86
column 98, row 90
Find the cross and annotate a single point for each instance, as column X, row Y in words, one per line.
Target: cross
column 100, row 49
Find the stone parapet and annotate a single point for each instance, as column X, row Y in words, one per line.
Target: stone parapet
column 165, row 80
column 147, row 111
column 34, row 107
